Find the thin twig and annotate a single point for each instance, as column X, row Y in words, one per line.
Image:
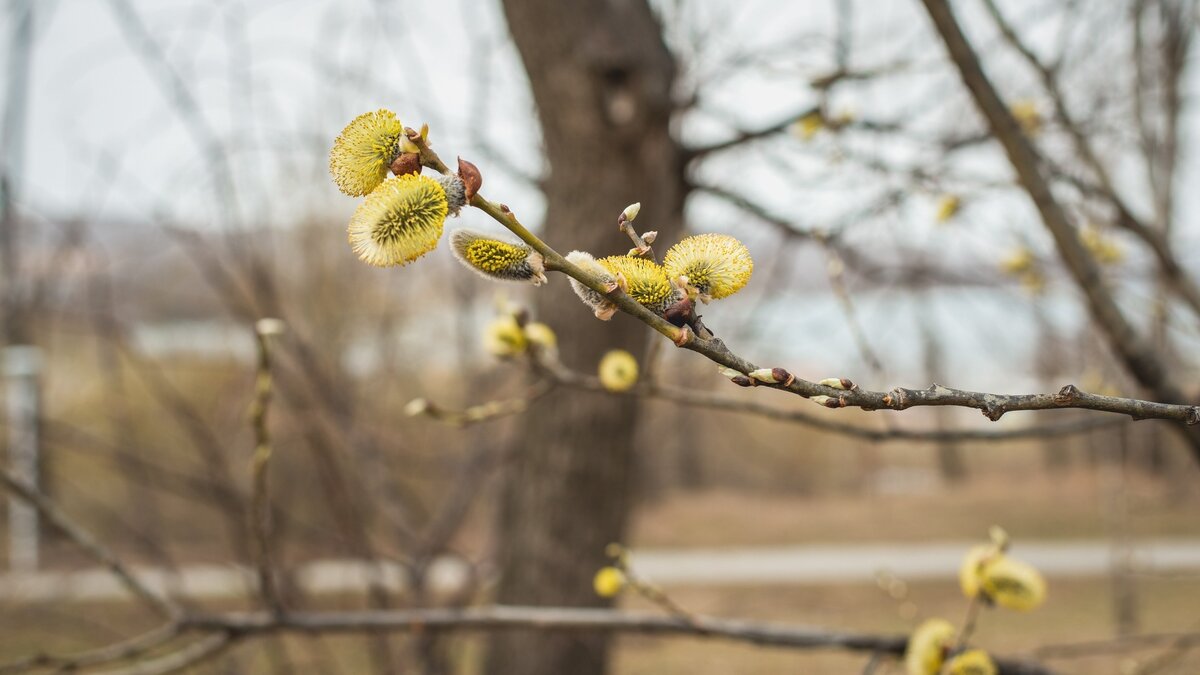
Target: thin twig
column 60, row 521
column 243, row 625
column 260, row 500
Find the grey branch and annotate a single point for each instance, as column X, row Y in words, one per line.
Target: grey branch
column 238, row 625
column 1142, row 361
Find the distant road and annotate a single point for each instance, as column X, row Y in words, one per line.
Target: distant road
column 693, row 567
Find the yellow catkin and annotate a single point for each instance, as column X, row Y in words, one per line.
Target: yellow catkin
column 716, row 265
column 927, row 645
column 618, row 370
column 971, row 662
column 608, row 582
column 496, row 258
column 645, row 281
column 399, row 222
column 363, row 152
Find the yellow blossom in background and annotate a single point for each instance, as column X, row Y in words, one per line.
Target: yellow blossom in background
column 504, row 337
column 1018, row 262
column 540, row 334
column 1013, row 584
column 927, row 647
column 1034, row 282
column 498, row 259
column 806, row 127
column 1104, row 249
column 608, row 582
column 971, row 570
column 971, row 662
column 715, row 265
column 618, row 370
column 364, row 151
column 988, row 571
column 947, row 208
column 1026, row 113
column 399, row 222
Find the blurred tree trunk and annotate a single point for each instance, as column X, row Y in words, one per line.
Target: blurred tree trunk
column 601, row 76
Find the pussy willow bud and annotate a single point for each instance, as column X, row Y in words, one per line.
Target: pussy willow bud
column 999, row 537
column 269, row 326
column 773, row 376
column 837, row 383
column 650, row 236
column 742, row 381
column 631, row 212
column 471, row 178
column 827, row 401
column 406, row 163
column 417, row 406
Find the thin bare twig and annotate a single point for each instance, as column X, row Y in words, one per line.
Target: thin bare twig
column 260, row 500
column 97, row 551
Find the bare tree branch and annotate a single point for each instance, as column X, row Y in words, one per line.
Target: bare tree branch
column 569, row 619
column 99, row 552
column 1134, row 350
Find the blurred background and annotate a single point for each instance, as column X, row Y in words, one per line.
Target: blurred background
column 165, row 185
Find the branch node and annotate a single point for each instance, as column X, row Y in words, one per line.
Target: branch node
column 1066, row 395
column 993, row 412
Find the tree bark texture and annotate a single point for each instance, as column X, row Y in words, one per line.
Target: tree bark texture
column 601, row 77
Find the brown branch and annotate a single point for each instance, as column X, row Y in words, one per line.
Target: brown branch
column 554, row 373
column 201, row 650
column 993, row 406
column 106, row 655
column 97, row 551
column 242, row 625
column 747, row 136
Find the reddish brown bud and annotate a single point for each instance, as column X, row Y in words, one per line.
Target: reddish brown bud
column 783, row 376
column 680, row 313
column 406, row 163
column 742, row 381
column 470, row 176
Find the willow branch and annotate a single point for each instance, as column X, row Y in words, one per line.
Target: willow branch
column 993, row 406
column 260, row 500
column 239, row 625
column 201, row 650
column 97, row 551
column 714, row 401
column 106, row 655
